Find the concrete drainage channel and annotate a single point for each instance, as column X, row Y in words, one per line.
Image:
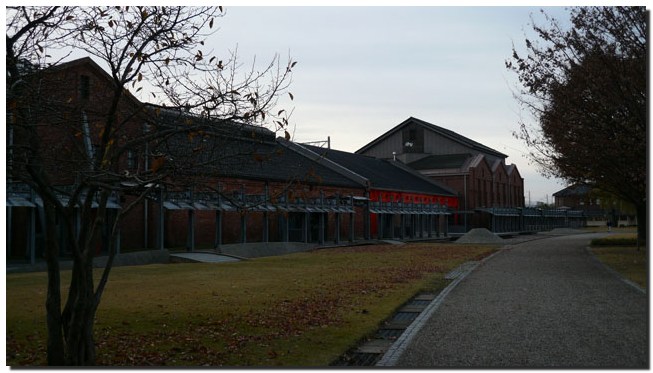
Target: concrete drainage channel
column 385, row 346
column 372, row 349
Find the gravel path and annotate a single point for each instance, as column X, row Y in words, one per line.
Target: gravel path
column 540, row 304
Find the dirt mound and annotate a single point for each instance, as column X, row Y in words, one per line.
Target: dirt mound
column 480, row 235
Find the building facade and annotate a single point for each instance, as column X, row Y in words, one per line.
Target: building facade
column 403, row 202
column 263, row 189
column 477, row 174
column 599, row 212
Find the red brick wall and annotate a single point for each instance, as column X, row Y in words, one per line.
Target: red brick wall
column 483, row 190
column 61, row 130
column 176, row 221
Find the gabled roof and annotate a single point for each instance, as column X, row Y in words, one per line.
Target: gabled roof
column 79, row 62
column 444, row 161
column 476, row 161
column 425, row 178
column 319, row 158
column 511, row 169
column 382, row 174
column 573, row 190
column 439, row 130
column 241, row 151
column 273, row 161
column 174, row 118
column 90, row 63
column 496, row 165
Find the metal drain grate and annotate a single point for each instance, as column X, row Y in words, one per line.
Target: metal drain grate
column 359, row 359
column 404, row 316
column 417, row 302
column 370, row 351
column 392, row 334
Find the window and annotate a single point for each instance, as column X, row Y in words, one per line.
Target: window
column 131, row 159
column 84, row 87
column 413, row 140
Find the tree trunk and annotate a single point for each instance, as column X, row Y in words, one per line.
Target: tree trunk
column 79, row 316
column 71, row 332
column 55, row 344
column 80, row 344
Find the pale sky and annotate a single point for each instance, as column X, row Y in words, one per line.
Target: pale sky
column 363, row 70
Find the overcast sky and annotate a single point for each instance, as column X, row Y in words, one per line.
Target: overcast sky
column 363, row 70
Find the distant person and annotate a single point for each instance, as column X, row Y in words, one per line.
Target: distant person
column 609, row 225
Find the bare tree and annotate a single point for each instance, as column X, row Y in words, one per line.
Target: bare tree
column 65, row 146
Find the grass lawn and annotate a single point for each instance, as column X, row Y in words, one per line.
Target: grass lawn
column 623, row 257
column 304, row 309
column 603, row 228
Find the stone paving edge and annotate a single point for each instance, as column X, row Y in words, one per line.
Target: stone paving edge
column 392, row 355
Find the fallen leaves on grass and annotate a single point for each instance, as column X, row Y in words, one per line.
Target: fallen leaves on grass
column 327, row 287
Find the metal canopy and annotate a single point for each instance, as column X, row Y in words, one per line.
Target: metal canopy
column 171, row 206
column 184, row 205
column 254, row 203
column 501, row 211
column 201, row 206
column 407, row 209
column 15, row 201
column 111, row 204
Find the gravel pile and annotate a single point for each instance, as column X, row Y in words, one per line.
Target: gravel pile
column 480, row 235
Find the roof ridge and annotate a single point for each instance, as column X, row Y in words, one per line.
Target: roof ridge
column 456, row 136
column 474, row 161
column 441, row 130
column 89, row 61
column 419, row 175
column 323, row 160
column 384, row 174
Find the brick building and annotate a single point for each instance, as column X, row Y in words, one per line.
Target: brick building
column 67, row 103
column 477, row 174
column 584, row 198
column 263, row 189
column 403, row 202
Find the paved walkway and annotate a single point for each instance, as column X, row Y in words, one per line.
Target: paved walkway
column 205, row 257
column 540, row 304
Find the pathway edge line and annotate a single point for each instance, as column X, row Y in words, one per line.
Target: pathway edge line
column 614, row 272
column 395, row 351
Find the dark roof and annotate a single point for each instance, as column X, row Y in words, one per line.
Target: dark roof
column 382, row 174
column 176, row 119
column 224, row 148
column 273, row 161
column 437, row 129
column 433, row 162
column 510, row 168
column 573, row 190
column 78, row 62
